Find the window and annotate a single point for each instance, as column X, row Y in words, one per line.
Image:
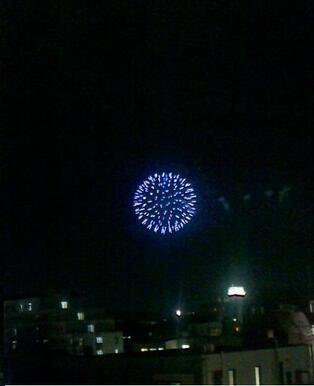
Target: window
column 215, row 331
column 257, row 372
column 64, row 305
column 232, row 377
column 14, row 331
column 21, row 307
column 281, row 373
column 91, row 328
column 99, row 352
column 116, row 351
column 312, row 306
column 289, row 377
column 99, row 339
column 217, row 377
column 29, row 306
column 302, row 377
column 184, row 346
column 80, row 315
column 312, row 329
column 144, row 349
column 14, row 344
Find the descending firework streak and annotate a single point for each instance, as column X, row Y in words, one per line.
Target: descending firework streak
column 165, row 202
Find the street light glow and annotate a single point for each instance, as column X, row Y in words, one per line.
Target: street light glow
column 178, row 313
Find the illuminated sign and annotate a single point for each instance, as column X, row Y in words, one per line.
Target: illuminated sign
column 236, row 291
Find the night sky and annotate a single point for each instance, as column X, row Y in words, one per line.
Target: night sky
column 101, row 95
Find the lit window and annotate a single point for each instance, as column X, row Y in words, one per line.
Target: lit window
column 64, row 305
column 178, row 313
column 184, row 346
column 29, row 306
column 99, row 339
column 21, row 307
column 232, row 377
column 14, row 344
column 45, row 341
column 312, row 329
column 80, row 315
column 144, row 349
column 152, row 349
column 90, row 328
column 257, row 371
column 160, row 348
column 116, row 351
column 312, row 306
column 234, row 319
column 237, row 329
column 215, row 331
column 14, row 331
column 99, row 352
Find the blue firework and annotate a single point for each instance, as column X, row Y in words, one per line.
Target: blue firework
column 165, row 202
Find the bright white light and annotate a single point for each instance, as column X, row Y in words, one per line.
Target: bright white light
column 144, row 349
column 80, row 315
column 236, row 291
column 178, row 313
column 152, row 349
column 234, row 319
column 64, row 305
column 160, row 348
column 231, row 377
column 257, row 371
column 90, row 328
column 184, row 346
column 99, row 339
column 29, row 306
column 99, row 352
column 116, row 351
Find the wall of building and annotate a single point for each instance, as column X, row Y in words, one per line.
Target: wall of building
column 292, row 360
column 165, row 367
column 40, row 324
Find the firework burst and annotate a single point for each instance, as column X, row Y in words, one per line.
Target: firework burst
column 164, row 202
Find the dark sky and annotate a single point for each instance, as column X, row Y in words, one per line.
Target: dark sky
column 100, row 95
